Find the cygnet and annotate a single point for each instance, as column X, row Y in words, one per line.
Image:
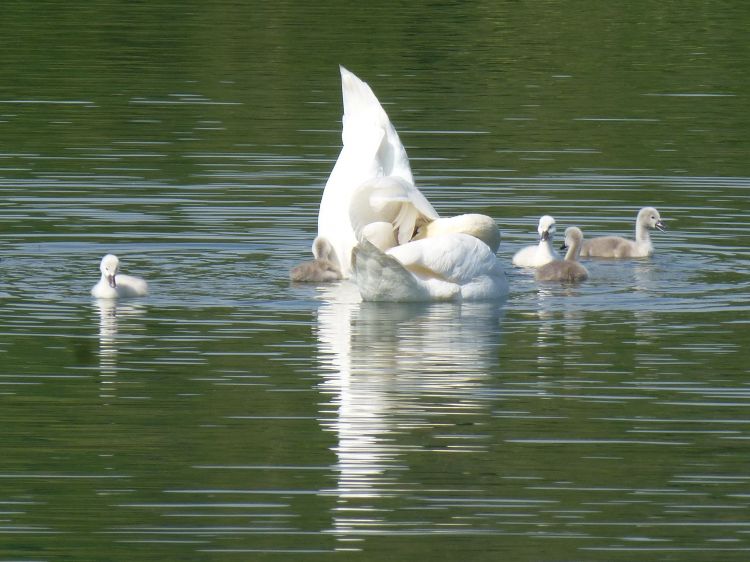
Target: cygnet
column 323, row 269
column 567, row 270
column 537, row 256
column 114, row 284
column 618, row 247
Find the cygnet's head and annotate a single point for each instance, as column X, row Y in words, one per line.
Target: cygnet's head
column 110, row 267
column 574, row 240
column 649, row 217
column 323, row 250
column 546, row 228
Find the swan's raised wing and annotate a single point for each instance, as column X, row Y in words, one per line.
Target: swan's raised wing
column 371, row 148
column 363, row 112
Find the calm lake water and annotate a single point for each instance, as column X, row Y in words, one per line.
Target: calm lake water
column 232, row 415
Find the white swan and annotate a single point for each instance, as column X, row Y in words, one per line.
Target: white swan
column 567, row 270
column 114, row 284
column 537, row 256
column 446, row 267
column 617, row 247
column 371, row 180
column 320, row 270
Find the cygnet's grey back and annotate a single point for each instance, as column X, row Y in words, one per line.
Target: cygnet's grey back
column 315, row 271
column 608, row 247
column 567, row 270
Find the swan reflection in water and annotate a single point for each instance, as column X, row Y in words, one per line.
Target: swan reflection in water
column 111, row 312
column 389, row 369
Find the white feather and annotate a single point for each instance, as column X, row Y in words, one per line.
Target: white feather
column 373, row 164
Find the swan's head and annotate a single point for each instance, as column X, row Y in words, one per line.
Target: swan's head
column 546, row 228
column 478, row 226
column 110, row 267
column 649, row 217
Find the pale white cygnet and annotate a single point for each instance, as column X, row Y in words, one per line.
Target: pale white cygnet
column 537, row 256
column 114, row 284
column 567, row 270
column 323, row 269
column 618, row 247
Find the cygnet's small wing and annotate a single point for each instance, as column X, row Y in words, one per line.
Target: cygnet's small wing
column 607, row 247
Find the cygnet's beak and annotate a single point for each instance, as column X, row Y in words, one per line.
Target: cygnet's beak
column 660, row 225
column 545, row 235
column 564, row 246
column 111, row 281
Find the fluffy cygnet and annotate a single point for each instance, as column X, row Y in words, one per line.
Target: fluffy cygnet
column 114, row 284
column 537, row 256
column 618, row 247
column 567, row 270
column 323, row 269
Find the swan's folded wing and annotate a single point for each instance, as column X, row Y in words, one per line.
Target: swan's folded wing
column 457, row 258
column 381, row 277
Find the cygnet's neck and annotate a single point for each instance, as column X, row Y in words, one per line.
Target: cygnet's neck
column 642, row 235
column 573, row 251
column 546, row 246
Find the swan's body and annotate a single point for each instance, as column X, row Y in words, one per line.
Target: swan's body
column 567, row 270
column 446, row 267
column 617, row 247
column 371, row 180
column 542, row 253
column 320, row 270
column 114, row 284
